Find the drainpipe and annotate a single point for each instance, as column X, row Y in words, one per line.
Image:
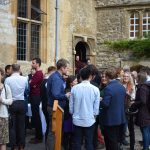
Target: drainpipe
column 57, row 27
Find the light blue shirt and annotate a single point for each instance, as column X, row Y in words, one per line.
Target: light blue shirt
column 17, row 84
column 84, row 104
column 148, row 78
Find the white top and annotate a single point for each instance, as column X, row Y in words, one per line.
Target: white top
column 5, row 101
column 132, row 94
column 17, row 84
column 84, row 104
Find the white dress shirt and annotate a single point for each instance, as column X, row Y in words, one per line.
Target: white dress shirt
column 84, row 104
column 17, row 84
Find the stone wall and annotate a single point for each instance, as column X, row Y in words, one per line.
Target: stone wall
column 119, row 2
column 113, row 24
column 77, row 17
column 107, row 57
column 7, row 33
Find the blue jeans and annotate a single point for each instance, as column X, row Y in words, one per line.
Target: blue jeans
column 87, row 133
column 146, row 137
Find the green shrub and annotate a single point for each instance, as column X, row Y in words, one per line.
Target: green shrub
column 140, row 47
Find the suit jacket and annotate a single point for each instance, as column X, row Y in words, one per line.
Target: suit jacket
column 56, row 89
column 113, row 112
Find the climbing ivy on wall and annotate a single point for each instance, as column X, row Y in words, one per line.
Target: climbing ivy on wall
column 139, row 47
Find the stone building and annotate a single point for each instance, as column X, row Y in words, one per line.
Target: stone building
column 31, row 28
column 120, row 19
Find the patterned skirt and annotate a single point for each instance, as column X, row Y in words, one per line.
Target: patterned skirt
column 4, row 135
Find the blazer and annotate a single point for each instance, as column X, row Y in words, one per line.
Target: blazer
column 56, row 89
column 113, row 110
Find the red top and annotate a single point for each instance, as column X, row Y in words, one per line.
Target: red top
column 35, row 83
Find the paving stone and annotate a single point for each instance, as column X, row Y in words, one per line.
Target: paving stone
column 41, row 146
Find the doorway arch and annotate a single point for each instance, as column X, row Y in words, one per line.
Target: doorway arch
column 82, row 50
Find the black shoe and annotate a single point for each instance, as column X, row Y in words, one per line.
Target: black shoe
column 125, row 142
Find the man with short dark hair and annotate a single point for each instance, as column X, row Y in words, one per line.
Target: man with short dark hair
column 113, row 112
column 8, row 70
column 35, row 84
column 84, row 106
column 17, row 84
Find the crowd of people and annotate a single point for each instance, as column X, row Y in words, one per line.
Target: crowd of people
column 95, row 105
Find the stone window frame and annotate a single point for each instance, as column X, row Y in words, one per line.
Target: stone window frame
column 42, row 31
column 140, row 27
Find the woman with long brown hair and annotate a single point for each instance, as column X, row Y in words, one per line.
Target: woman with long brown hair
column 127, row 82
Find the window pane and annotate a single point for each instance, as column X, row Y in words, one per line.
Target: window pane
column 22, row 8
column 144, row 27
column 21, row 40
column 137, row 27
column 137, row 21
column 136, row 34
column 35, row 10
column 144, row 34
column 132, row 28
column 132, row 21
column 131, row 34
column 144, row 21
column 35, row 40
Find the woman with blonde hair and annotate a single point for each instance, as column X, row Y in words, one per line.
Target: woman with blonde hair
column 130, row 89
column 127, row 82
column 5, row 99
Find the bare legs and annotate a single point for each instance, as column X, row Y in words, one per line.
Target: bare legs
column 2, row 147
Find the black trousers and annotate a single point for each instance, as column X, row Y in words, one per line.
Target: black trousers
column 50, row 141
column 35, row 103
column 87, row 133
column 113, row 137
column 95, row 138
column 17, row 124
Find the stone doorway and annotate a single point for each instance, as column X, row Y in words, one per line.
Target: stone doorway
column 82, row 49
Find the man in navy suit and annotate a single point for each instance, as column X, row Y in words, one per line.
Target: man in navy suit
column 113, row 113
